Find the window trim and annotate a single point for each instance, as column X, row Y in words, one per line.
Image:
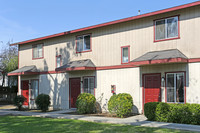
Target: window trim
column 166, row 39
column 184, row 86
column 128, row 46
column 83, row 83
column 60, row 60
column 42, row 51
column 90, row 43
column 31, row 88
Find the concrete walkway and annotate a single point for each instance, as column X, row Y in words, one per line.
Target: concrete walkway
column 139, row 120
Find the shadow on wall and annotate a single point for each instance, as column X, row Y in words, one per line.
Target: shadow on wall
column 57, row 85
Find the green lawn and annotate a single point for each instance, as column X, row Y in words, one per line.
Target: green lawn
column 23, row 124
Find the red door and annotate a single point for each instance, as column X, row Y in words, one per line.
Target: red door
column 25, row 91
column 75, row 90
column 152, row 84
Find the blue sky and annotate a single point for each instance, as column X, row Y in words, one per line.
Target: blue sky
column 21, row 20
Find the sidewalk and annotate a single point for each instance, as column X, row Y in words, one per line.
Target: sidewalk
column 139, row 120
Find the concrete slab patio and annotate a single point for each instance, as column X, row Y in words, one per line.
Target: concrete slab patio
column 139, row 120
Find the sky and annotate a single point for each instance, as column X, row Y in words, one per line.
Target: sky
column 22, row 20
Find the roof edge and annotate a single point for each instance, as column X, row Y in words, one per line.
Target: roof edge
column 111, row 22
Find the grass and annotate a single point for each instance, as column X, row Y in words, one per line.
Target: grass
column 24, row 124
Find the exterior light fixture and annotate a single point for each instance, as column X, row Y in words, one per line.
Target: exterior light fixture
column 163, row 79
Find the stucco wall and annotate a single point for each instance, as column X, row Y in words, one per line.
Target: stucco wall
column 193, row 91
column 126, row 81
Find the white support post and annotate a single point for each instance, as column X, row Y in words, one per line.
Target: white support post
column 19, row 85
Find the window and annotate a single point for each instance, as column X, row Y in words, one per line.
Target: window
column 125, row 54
column 34, row 89
column 88, row 85
column 83, row 43
column 175, row 84
column 38, row 51
column 166, row 28
column 58, row 61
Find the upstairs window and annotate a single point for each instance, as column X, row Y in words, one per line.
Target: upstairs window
column 125, row 54
column 38, row 51
column 58, row 61
column 83, row 43
column 166, row 28
column 88, row 85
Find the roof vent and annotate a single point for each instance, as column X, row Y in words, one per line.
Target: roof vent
column 139, row 12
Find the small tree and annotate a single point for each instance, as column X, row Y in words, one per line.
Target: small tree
column 43, row 101
column 9, row 62
column 18, row 101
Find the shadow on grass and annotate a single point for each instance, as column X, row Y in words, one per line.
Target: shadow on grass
column 24, row 124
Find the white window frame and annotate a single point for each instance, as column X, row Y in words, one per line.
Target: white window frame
column 33, row 89
column 59, row 56
column 36, row 46
column 177, row 17
column 83, row 43
column 175, row 73
column 123, row 54
column 88, row 83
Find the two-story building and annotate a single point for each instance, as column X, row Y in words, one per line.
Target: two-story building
column 153, row 57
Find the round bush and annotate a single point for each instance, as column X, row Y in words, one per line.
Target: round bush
column 85, row 103
column 121, row 104
column 161, row 113
column 18, row 101
column 150, row 109
column 43, row 101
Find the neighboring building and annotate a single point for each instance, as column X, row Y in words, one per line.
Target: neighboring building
column 153, row 57
column 1, row 79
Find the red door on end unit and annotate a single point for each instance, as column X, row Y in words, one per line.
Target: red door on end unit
column 25, row 91
column 152, row 85
column 75, row 90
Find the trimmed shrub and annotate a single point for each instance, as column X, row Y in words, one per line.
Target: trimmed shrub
column 180, row 113
column 121, row 104
column 18, row 101
column 195, row 109
column 176, row 113
column 85, row 103
column 43, row 102
column 161, row 113
column 150, row 109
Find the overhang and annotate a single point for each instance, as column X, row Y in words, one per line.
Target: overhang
column 26, row 70
column 78, row 65
column 159, row 57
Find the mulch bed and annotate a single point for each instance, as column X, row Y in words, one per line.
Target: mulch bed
column 98, row 114
column 33, row 110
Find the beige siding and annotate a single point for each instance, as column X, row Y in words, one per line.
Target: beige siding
column 106, row 42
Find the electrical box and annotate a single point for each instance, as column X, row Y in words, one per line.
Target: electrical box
column 113, row 89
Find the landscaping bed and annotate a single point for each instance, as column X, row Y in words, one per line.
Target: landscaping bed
column 99, row 114
column 33, row 110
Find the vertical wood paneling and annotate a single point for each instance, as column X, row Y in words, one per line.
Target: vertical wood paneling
column 106, row 42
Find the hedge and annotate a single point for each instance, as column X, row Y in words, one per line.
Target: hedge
column 121, row 104
column 176, row 113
